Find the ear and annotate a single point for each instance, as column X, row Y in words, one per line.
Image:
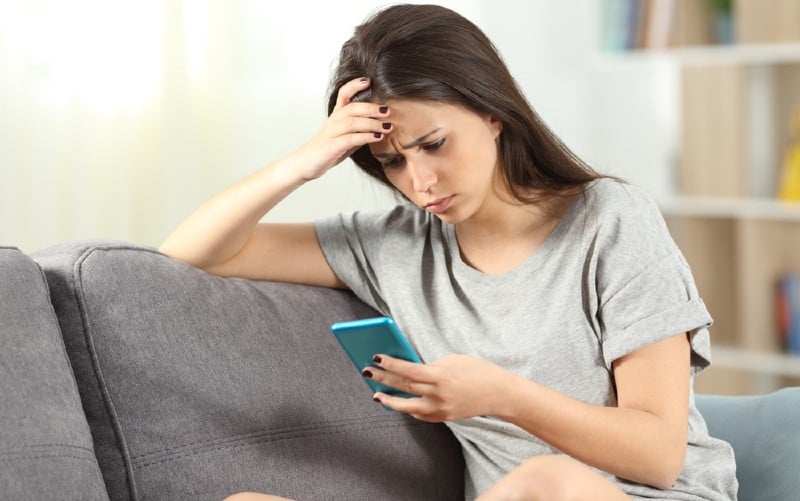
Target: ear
column 495, row 126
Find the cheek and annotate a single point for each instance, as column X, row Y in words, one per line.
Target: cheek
column 490, row 154
column 480, row 161
column 396, row 179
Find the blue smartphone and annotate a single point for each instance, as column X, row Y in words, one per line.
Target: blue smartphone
column 362, row 339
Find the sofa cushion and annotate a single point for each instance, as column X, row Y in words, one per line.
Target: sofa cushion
column 197, row 386
column 764, row 432
column 45, row 444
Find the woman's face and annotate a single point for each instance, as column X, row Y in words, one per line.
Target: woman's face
column 442, row 157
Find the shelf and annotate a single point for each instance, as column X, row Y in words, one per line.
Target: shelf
column 756, row 362
column 709, row 55
column 731, row 208
column 729, row 107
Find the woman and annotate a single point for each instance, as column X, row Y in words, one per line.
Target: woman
column 561, row 324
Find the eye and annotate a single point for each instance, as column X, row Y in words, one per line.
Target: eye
column 434, row 146
column 392, row 162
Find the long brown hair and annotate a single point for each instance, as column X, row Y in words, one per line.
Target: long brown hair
column 428, row 52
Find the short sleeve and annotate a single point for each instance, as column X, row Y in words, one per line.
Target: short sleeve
column 646, row 290
column 352, row 243
column 659, row 302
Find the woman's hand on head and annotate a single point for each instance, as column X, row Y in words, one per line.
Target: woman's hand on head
column 451, row 388
column 349, row 127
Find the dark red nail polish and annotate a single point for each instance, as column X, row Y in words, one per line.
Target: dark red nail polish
column 367, row 373
column 383, row 109
column 377, row 359
column 378, row 134
column 386, row 126
column 376, row 399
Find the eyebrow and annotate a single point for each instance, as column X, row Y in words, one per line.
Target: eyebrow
column 421, row 139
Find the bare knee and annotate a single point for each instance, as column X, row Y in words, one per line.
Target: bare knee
column 553, row 477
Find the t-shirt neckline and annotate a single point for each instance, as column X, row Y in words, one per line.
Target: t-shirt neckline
column 533, row 261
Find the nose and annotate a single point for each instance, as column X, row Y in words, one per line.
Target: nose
column 422, row 176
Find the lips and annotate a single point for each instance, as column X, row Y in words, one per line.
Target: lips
column 440, row 205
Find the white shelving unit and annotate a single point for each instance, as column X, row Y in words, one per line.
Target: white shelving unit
column 768, row 209
column 733, row 104
column 765, row 367
column 751, row 54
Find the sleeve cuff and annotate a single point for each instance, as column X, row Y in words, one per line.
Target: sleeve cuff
column 691, row 317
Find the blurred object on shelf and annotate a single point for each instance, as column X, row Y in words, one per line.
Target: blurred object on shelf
column 790, row 178
column 787, row 309
column 722, row 20
column 660, row 24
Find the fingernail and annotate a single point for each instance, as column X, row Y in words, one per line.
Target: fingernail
column 377, row 359
column 383, row 109
column 367, row 373
column 386, row 126
column 364, row 79
column 378, row 134
column 376, row 399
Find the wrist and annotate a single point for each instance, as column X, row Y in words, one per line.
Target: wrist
column 305, row 164
column 505, row 402
column 523, row 402
column 285, row 173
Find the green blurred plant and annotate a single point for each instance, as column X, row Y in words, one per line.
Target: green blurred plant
column 721, row 6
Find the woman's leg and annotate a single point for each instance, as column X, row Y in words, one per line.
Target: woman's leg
column 252, row 496
column 553, row 478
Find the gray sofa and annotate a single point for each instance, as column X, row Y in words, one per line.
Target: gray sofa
column 129, row 375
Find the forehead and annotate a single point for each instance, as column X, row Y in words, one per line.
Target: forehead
column 407, row 110
column 413, row 118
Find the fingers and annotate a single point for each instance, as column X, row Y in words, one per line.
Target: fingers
column 418, row 407
column 399, row 404
column 396, row 382
column 371, row 110
column 409, row 377
column 415, row 371
column 356, row 125
column 358, row 119
column 344, row 101
column 349, row 90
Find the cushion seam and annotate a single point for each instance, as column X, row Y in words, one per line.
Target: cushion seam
column 266, row 439
column 390, row 422
column 106, row 397
column 65, row 356
column 8, row 458
column 23, row 446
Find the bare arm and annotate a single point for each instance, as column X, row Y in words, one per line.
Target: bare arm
column 224, row 235
column 642, row 439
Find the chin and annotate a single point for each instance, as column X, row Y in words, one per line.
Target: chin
column 449, row 217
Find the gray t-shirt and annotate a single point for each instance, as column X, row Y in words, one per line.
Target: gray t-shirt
column 607, row 281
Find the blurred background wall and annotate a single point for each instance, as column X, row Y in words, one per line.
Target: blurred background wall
column 118, row 118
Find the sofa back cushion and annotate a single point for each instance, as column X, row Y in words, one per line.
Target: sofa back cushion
column 45, row 445
column 197, row 386
column 764, row 431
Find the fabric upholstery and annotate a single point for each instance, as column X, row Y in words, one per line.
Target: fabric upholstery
column 765, row 434
column 45, row 444
column 196, row 386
